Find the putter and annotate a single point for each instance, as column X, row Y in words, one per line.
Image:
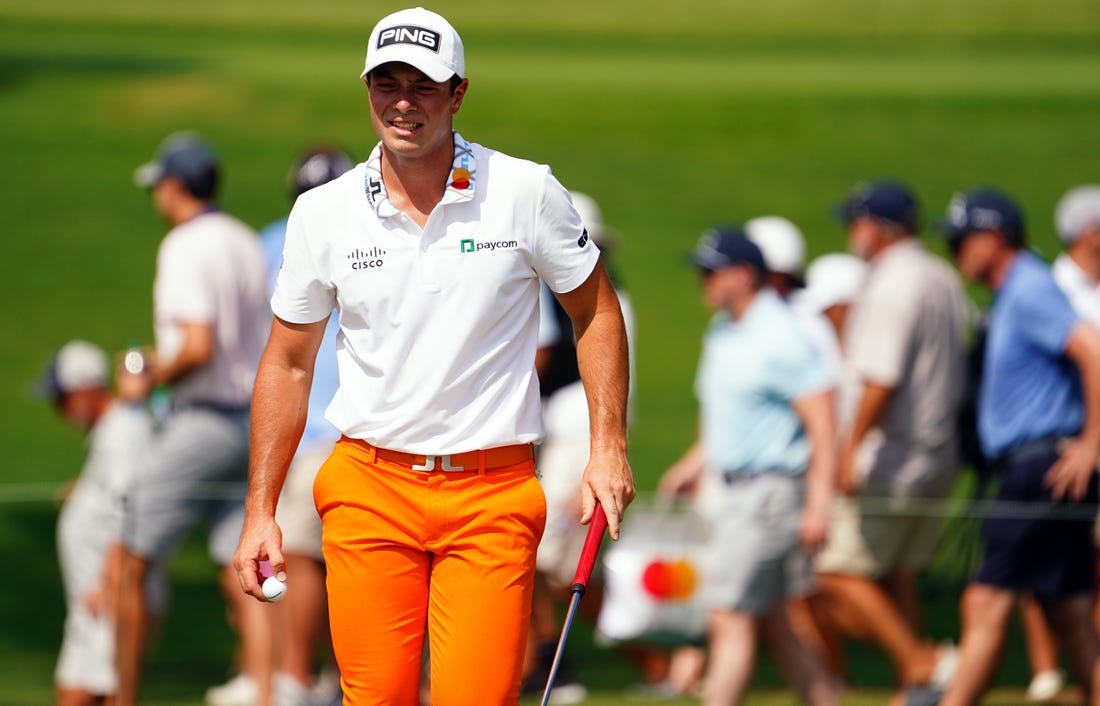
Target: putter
column 585, row 564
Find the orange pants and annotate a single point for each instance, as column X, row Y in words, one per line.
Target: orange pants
column 450, row 554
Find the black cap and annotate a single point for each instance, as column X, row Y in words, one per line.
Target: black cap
column 186, row 156
column 726, row 246
column 885, row 200
column 983, row 209
column 316, row 166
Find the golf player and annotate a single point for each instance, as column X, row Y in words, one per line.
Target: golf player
column 1039, row 422
column 763, row 469
column 432, row 252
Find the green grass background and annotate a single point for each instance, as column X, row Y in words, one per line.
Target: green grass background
column 673, row 115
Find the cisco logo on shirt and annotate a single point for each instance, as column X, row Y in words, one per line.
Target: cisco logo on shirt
column 471, row 245
column 366, row 259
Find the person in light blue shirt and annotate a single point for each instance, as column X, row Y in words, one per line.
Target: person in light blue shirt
column 763, row 469
column 1039, row 421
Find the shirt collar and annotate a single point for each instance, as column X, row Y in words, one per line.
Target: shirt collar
column 460, row 185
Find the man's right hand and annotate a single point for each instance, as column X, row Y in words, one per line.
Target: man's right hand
column 261, row 540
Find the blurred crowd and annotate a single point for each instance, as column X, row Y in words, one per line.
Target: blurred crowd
column 168, row 449
column 838, row 400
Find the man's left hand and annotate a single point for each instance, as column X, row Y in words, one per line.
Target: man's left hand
column 1069, row 477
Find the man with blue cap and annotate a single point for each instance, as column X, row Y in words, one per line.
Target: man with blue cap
column 903, row 380
column 762, row 469
column 1039, row 423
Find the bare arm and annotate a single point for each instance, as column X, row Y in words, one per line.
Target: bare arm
column 872, row 402
column 280, row 401
column 682, row 478
column 816, row 413
column 1070, row 475
column 597, row 320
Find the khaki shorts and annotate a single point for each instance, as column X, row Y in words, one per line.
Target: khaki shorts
column 876, row 536
column 753, row 559
column 297, row 514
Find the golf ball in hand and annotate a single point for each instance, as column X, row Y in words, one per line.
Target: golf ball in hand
column 274, row 589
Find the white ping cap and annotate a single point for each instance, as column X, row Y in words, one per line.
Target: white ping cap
column 781, row 241
column 420, row 38
column 77, row 365
column 1077, row 213
column 833, row 279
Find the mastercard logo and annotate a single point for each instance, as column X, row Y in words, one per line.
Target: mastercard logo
column 461, row 179
column 669, row 580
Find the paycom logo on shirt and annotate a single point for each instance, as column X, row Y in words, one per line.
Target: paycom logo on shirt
column 471, row 245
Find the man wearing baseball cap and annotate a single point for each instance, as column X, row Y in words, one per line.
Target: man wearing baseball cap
column 904, row 364
column 1077, row 272
column 89, row 526
column 766, row 441
column 432, row 251
column 1039, row 422
column 1077, row 268
column 210, row 320
column 784, row 249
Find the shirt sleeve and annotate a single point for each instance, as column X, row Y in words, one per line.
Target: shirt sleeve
column 800, row 370
column 303, row 294
column 564, row 254
column 887, row 316
column 1045, row 316
column 181, row 291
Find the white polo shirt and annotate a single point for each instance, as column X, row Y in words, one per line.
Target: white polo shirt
column 212, row 270
column 438, row 327
column 1082, row 292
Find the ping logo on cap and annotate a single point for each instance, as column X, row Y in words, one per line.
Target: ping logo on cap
column 410, row 34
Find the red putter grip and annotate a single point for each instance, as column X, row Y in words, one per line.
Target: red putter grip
column 591, row 547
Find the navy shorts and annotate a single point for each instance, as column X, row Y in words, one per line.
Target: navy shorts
column 1033, row 544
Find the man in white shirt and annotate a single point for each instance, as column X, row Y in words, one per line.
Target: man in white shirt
column 432, row 250
column 900, row 398
column 1077, row 268
column 210, row 316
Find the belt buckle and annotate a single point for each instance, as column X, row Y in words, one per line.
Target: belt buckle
column 429, row 464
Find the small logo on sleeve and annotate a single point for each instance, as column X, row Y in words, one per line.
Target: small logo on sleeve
column 583, row 240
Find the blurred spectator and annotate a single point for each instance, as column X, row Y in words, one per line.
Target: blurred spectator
column 833, row 282
column 89, row 526
column 1077, row 269
column 211, row 319
column 784, row 250
column 1039, row 421
column 763, row 468
column 902, row 391
column 1077, row 272
column 562, row 458
column 302, row 616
